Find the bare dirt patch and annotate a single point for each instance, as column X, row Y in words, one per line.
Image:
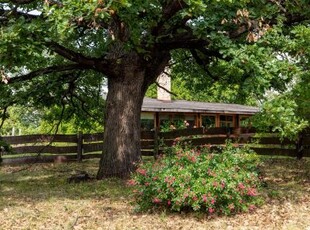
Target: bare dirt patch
column 39, row 197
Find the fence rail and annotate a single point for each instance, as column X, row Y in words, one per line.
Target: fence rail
column 45, row 148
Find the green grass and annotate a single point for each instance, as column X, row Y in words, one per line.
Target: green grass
column 49, row 181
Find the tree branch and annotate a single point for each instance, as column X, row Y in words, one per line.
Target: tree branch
column 100, row 64
column 22, row 2
column 181, row 41
column 70, row 54
column 203, row 64
column 3, row 116
column 251, row 25
column 169, row 11
column 40, row 72
column 165, row 89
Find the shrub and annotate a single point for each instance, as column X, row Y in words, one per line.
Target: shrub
column 199, row 180
column 4, row 147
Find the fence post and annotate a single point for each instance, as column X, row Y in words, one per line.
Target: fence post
column 79, row 146
column 299, row 146
column 1, row 149
column 156, row 143
column 228, row 132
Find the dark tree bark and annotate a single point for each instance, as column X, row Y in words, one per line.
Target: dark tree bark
column 121, row 141
column 122, row 148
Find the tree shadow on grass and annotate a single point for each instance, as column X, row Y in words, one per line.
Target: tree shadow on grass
column 287, row 179
column 41, row 182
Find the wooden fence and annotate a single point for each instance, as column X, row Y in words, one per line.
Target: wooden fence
column 47, row 148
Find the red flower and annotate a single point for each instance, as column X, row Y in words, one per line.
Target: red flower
column 211, row 210
column 169, row 202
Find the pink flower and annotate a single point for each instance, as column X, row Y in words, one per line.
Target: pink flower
column 241, row 186
column 212, row 201
column 223, row 184
column 169, row 202
column 211, row 210
column 141, row 171
column 131, row 182
column 195, row 198
column 252, row 207
column 251, row 192
column 192, row 159
column 204, row 198
column 156, row 200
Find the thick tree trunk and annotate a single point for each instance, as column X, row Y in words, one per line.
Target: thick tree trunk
column 122, row 124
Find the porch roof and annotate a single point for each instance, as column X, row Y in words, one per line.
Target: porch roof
column 155, row 105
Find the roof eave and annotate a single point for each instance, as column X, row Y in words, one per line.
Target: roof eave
column 165, row 110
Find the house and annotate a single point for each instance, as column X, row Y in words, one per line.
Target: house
column 156, row 113
column 160, row 112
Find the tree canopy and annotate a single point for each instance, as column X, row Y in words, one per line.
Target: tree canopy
column 59, row 52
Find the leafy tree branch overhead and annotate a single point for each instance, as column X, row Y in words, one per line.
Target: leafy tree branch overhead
column 131, row 42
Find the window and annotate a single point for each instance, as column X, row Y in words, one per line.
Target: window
column 226, row 121
column 147, row 121
column 208, row 121
column 176, row 121
column 191, row 121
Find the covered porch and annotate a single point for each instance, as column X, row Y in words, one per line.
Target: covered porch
column 165, row 114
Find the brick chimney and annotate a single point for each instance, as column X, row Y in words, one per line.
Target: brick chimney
column 165, row 82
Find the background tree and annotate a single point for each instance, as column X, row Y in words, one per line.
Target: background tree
column 131, row 42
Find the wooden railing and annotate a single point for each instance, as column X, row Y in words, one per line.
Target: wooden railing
column 47, row 148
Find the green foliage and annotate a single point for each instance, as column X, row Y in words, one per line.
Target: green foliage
column 74, row 101
column 232, row 70
column 4, row 147
column 199, row 180
column 281, row 115
column 176, row 124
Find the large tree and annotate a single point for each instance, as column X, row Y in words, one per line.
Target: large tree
column 130, row 43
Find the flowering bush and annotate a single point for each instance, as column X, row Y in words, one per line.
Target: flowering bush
column 200, row 180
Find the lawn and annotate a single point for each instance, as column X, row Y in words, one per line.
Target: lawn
column 39, row 197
